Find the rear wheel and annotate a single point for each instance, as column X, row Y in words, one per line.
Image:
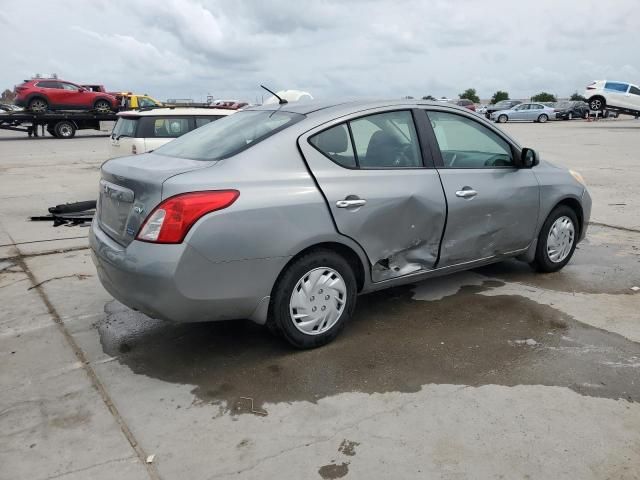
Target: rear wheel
column 543, row 118
column 557, row 240
column 313, row 299
column 65, row 129
column 102, row 106
column 502, row 119
column 38, row 105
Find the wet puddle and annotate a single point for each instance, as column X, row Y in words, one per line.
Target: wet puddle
column 394, row 343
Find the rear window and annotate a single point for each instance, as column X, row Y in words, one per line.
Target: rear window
column 230, row 135
column 125, row 127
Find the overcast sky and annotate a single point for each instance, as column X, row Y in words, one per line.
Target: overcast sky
column 332, row 49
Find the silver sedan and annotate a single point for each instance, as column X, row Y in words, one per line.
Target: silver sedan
column 529, row 112
column 283, row 214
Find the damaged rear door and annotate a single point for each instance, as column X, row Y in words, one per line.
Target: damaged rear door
column 381, row 188
column 493, row 204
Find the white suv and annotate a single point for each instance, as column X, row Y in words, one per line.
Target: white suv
column 138, row 131
column 621, row 96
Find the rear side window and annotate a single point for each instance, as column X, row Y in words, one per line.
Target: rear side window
column 125, row 127
column 230, row 135
column 634, row 90
column 383, row 140
column 201, row 121
column 618, row 87
column 163, row 127
column 336, row 144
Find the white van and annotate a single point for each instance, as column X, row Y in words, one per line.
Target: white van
column 142, row 131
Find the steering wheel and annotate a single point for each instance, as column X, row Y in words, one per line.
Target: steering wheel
column 404, row 156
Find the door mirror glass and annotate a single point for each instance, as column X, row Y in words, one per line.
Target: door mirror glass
column 529, row 158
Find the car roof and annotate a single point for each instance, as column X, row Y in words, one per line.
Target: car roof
column 171, row 112
column 336, row 108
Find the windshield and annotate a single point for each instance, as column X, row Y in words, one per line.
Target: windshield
column 230, row 135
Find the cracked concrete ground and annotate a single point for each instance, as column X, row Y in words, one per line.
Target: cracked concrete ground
column 493, row 373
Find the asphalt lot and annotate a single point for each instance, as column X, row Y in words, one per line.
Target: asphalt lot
column 493, row 373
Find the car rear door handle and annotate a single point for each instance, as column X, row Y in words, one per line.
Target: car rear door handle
column 351, row 203
column 466, row 193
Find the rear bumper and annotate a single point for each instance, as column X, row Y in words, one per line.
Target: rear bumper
column 177, row 283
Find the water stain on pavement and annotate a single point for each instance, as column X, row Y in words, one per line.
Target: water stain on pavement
column 393, row 343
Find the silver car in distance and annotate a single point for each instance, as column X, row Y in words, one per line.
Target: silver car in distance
column 283, row 214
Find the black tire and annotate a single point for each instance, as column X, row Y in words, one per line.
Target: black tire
column 503, row 119
column 65, row 129
column 280, row 318
column 38, row 105
column 543, row 118
column 51, row 132
column 542, row 261
column 102, row 105
column 597, row 104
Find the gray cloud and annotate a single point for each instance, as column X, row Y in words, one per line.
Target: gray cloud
column 377, row 48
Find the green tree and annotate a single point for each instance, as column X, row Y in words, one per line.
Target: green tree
column 470, row 94
column 429, row 97
column 499, row 96
column 544, row 97
column 576, row 97
column 7, row 96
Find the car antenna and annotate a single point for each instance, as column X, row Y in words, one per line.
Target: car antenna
column 281, row 100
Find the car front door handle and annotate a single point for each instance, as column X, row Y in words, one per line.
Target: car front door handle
column 466, row 193
column 353, row 203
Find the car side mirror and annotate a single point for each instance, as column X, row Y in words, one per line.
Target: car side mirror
column 529, row 158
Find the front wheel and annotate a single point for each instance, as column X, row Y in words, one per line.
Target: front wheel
column 502, row 119
column 313, row 299
column 543, row 118
column 102, row 106
column 557, row 240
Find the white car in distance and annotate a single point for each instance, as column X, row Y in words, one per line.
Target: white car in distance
column 138, row 132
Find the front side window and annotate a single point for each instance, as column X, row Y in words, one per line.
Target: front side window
column 230, row 135
column 519, row 108
column 386, row 140
column 144, row 102
column 69, row 87
column 465, row 143
column 617, row 87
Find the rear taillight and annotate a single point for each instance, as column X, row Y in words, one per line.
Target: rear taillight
column 134, row 150
column 170, row 221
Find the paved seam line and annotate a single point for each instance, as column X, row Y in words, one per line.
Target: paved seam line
column 615, row 227
column 40, row 254
column 42, row 241
column 80, row 355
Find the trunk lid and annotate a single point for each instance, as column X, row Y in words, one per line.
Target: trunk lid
column 131, row 187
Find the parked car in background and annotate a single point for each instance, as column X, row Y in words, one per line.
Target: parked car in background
column 9, row 107
column 530, row 112
column 621, row 96
column 42, row 94
column 481, row 109
column 463, row 102
column 142, row 131
column 501, row 105
column 568, row 110
column 283, row 214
